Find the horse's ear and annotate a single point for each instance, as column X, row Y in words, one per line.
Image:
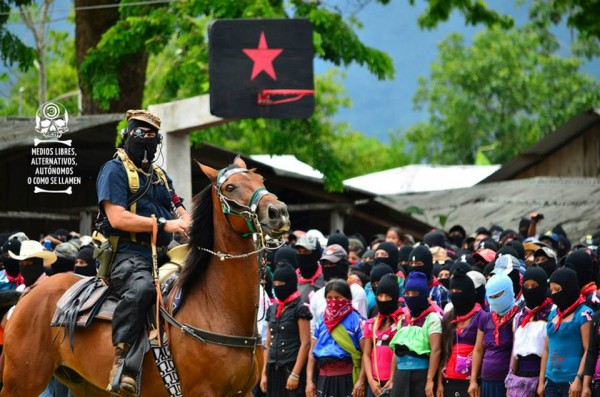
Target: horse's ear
column 239, row 162
column 210, row 172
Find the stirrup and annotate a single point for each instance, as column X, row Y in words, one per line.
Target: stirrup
column 127, row 387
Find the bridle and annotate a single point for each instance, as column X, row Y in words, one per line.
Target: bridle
column 249, row 214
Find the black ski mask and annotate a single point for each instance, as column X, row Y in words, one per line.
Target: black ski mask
column 535, row 296
column 11, row 265
column 567, row 279
column 377, row 274
column 391, row 259
column 388, row 285
column 463, row 301
column 309, row 263
column 33, row 271
column 139, row 149
column 339, row 270
column 421, row 254
column 287, row 275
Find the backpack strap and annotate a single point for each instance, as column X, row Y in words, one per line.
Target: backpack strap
column 133, row 181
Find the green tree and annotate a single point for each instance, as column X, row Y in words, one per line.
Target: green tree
column 506, row 91
column 333, row 148
column 61, row 79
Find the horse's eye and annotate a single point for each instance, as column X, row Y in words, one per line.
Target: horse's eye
column 230, row 188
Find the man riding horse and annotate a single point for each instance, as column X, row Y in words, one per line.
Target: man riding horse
column 130, row 190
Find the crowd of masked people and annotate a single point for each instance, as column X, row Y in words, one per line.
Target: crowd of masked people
column 26, row 263
column 493, row 313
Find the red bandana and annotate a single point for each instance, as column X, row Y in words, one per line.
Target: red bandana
column 311, row 281
column 561, row 315
column 287, row 300
column 337, row 310
column 17, row 280
column 500, row 321
column 424, row 313
column 434, row 282
column 589, row 289
column 395, row 316
column 532, row 313
column 467, row 316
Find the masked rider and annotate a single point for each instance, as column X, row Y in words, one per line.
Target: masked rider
column 130, row 189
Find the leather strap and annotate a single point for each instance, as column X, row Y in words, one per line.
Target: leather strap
column 210, row 337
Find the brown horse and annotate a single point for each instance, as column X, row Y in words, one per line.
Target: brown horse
column 220, row 296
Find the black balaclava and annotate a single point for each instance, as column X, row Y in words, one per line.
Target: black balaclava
column 339, row 270
column 365, row 265
column 392, row 251
column 378, row 272
column 86, row 254
column 421, row 253
column 136, row 146
column 271, row 260
column 535, row 296
column 289, row 254
column 340, row 239
column 515, row 277
column 403, row 254
column 287, row 274
column 11, row 265
column 388, row 285
column 581, row 262
column 457, row 238
column 269, row 284
column 517, row 245
column 435, row 239
column 507, row 250
column 307, row 263
column 32, row 272
column 564, row 245
column 567, row 279
column 549, row 266
column 63, row 265
column 465, row 300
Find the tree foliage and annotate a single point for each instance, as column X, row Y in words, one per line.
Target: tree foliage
column 332, row 148
column 62, row 79
column 504, row 92
column 151, row 27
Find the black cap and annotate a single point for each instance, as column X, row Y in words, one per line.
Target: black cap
column 581, row 262
column 404, row 252
column 340, row 239
column 435, row 239
column 379, row 271
column 392, row 252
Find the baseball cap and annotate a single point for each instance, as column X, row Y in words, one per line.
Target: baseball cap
column 548, row 252
column 505, row 264
column 334, row 253
column 486, row 254
column 306, row 241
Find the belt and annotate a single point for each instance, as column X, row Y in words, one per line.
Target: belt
column 159, row 249
column 528, row 374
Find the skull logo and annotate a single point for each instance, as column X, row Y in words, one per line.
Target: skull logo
column 51, row 120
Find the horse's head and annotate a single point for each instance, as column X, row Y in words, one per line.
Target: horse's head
column 242, row 193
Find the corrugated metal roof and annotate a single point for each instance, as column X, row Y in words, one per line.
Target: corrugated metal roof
column 421, row 178
column 288, row 164
column 574, row 202
column 546, row 146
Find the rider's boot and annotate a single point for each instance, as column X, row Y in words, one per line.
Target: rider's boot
column 127, row 383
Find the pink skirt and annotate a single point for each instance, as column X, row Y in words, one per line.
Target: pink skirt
column 518, row 386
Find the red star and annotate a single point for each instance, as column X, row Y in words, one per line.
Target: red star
column 263, row 57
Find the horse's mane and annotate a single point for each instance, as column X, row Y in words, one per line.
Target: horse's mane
column 201, row 235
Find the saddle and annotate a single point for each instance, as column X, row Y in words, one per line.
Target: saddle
column 90, row 298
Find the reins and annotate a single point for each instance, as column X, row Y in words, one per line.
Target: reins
column 248, row 212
